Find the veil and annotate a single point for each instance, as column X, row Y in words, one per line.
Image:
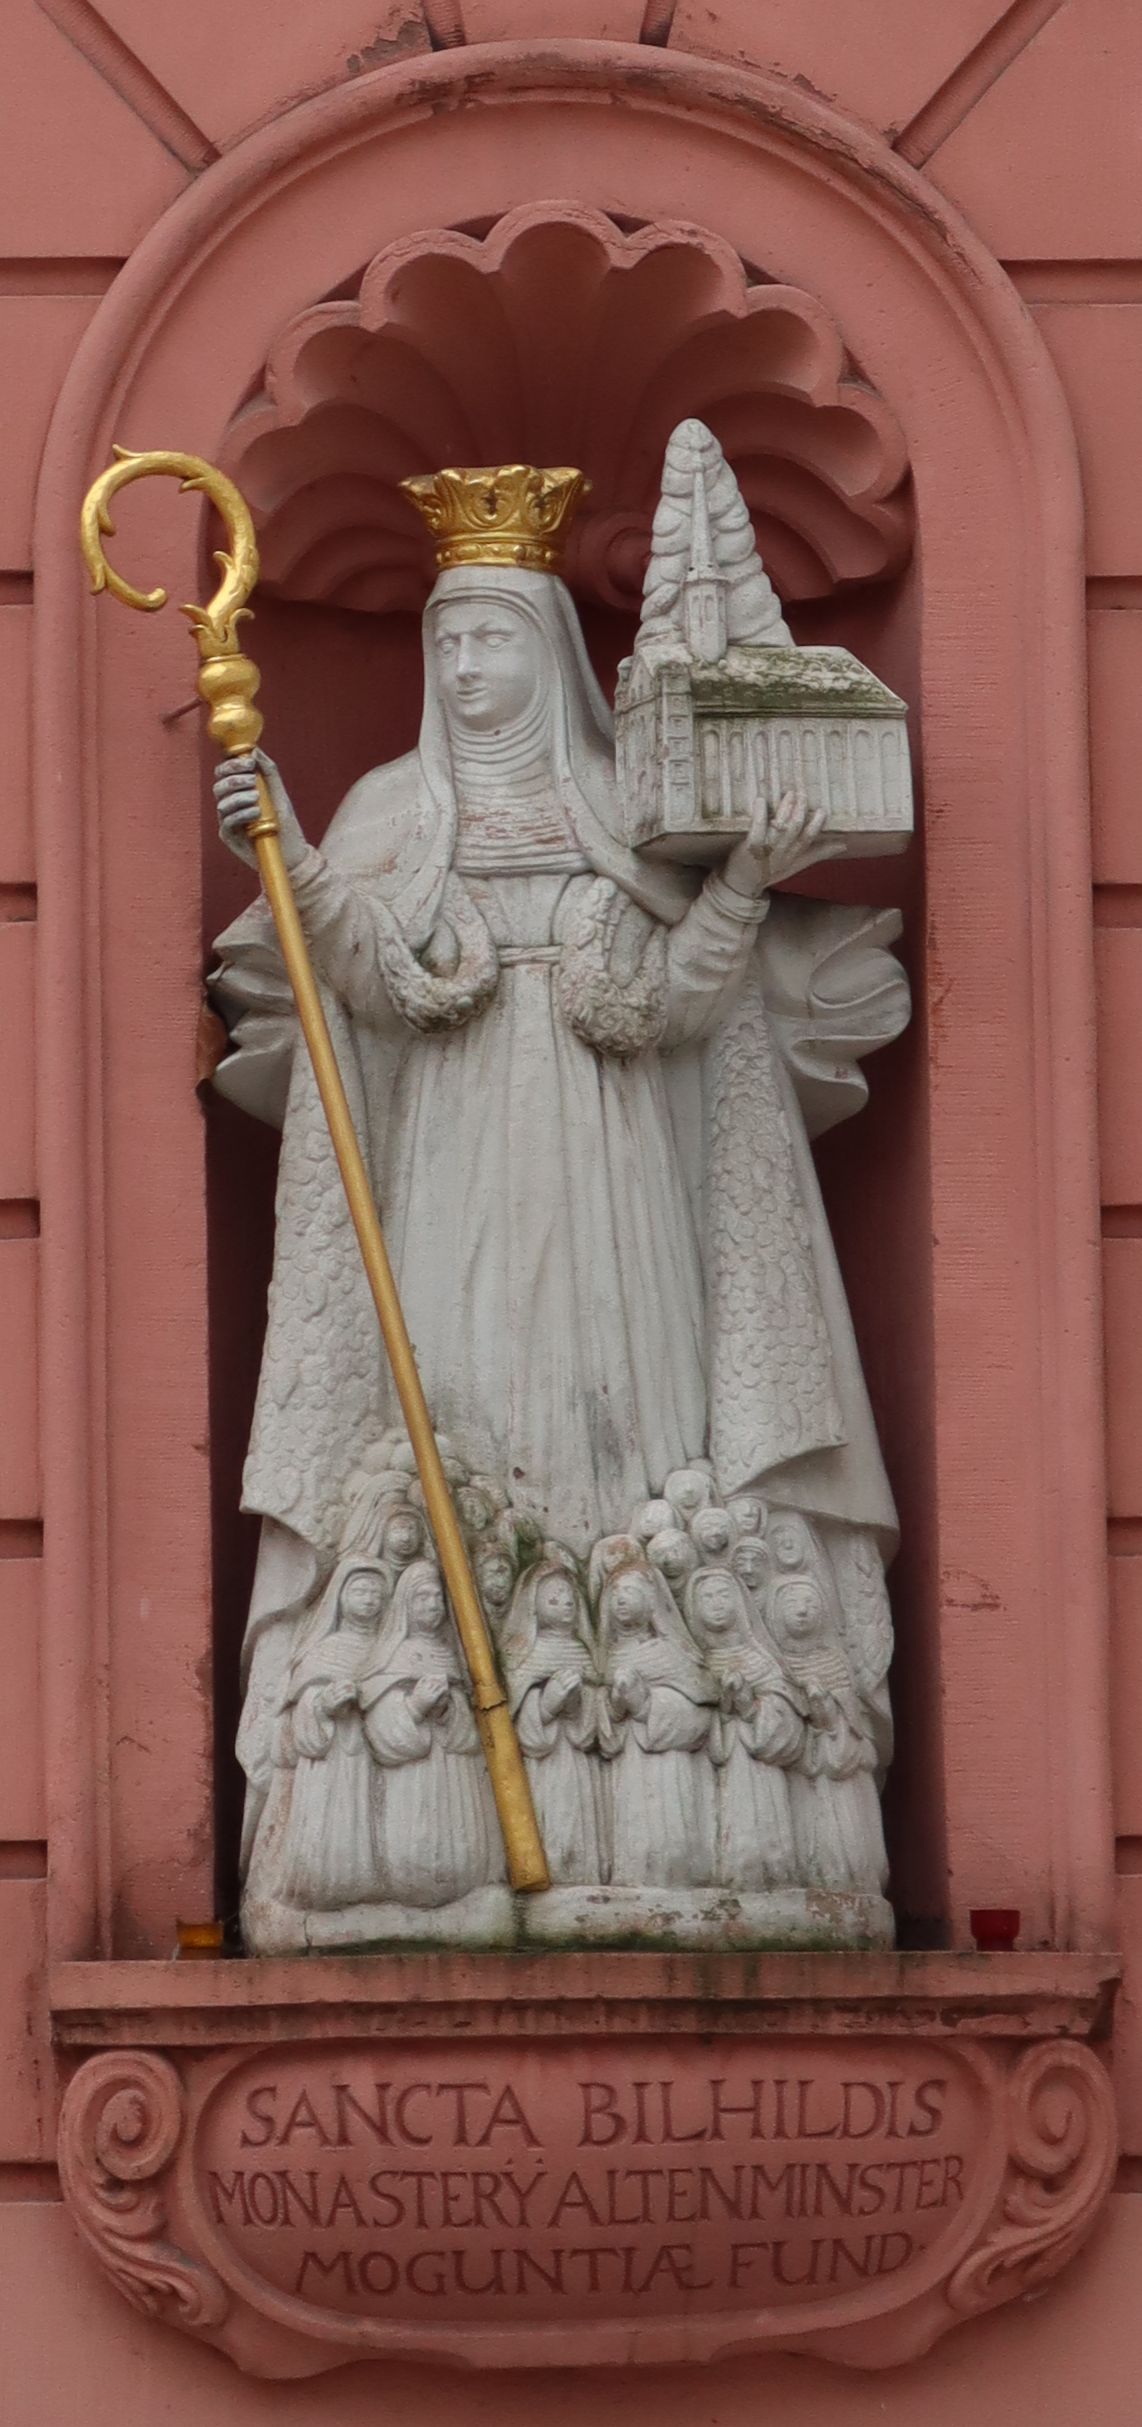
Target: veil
column 324, row 1618
column 745, row 1652
column 671, row 1657
column 524, row 1664
column 401, row 1653
column 583, row 733
column 826, row 1664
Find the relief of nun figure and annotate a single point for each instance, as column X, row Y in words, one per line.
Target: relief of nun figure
column 584, row 1081
column 551, row 1668
column 663, row 1704
column 434, row 1819
column 836, row 1809
column 761, row 1734
column 314, row 1841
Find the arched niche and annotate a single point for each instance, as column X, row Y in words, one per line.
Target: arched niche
column 966, row 1197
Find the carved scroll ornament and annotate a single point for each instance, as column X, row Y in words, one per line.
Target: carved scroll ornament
column 1062, row 2150
column 121, row 2128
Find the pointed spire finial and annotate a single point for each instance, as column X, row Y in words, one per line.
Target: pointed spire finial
column 704, row 585
column 702, row 517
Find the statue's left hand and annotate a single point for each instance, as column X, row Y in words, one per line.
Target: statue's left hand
column 780, row 843
column 236, row 799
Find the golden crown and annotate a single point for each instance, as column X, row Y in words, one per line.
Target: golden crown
column 500, row 514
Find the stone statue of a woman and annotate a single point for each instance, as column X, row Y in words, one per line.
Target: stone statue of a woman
column 577, row 1074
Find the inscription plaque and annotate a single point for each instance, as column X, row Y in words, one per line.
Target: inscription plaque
column 653, row 2180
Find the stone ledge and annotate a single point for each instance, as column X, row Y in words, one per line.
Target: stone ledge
column 1041, row 1995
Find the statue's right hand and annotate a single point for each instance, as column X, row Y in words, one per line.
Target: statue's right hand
column 236, row 798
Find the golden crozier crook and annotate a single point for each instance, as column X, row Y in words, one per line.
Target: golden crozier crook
column 227, row 682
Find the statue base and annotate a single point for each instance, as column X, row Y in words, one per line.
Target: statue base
column 704, row 1918
column 699, row 1920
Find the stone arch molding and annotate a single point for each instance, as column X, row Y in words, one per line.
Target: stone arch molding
column 1004, row 1313
column 434, row 360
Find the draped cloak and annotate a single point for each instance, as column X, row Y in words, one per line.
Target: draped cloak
column 787, row 1410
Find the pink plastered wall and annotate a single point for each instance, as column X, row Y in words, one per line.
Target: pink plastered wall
column 1024, row 118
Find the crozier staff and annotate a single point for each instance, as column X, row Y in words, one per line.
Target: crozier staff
column 228, row 681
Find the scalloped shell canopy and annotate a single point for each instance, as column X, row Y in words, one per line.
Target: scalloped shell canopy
column 560, row 338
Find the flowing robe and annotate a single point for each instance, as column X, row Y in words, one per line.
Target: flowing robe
column 435, row 1820
column 559, row 1733
column 663, row 1706
column 759, row 1734
column 328, row 1849
column 836, row 1809
column 758, row 1746
column 569, row 1786
column 663, row 1811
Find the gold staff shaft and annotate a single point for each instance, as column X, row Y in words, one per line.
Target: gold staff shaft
column 227, row 682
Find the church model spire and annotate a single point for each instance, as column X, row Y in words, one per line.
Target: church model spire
column 719, row 713
column 704, row 585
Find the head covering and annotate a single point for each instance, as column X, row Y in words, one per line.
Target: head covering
column 611, row 1551
column 530, row 1654
column 704, row 1523
column 581, row 742
column 321, row 1624
column 805, row 1556
column 669, row 1655
column 743, row 1650
column 369, row 1502
column 679, row 1486
column 823, row 1664
column 673, row 1543
column 400, row 1651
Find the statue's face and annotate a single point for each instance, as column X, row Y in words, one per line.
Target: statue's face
column 751, row 1564
column 801, row 1610
column 403, row 1535
column 473, row 1508
column 615, row 1550
column 716, row 1603
column 654, row 1517
column 674, row 1553
column 362, row 1595
column 689, row 1491
column 555, row 1602
column 427, row 1612
column 634, row 1606
column 747, row 1512
column 788, row 1541
column 489, row 662
column 713, row 1532
column 496, row 1579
